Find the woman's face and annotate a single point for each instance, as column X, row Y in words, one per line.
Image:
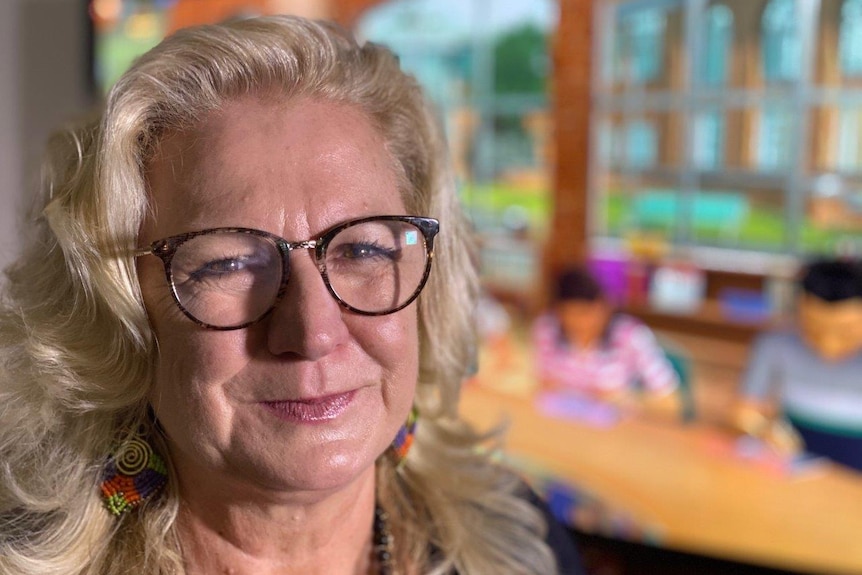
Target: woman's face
column 309, row 397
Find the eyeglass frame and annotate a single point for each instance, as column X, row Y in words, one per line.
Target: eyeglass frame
column 166, row 248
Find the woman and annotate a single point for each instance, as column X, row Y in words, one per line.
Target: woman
column 213, row 337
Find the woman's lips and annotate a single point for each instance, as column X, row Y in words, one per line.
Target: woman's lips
column 311, row 410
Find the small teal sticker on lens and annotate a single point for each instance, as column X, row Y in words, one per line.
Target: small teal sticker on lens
column 410, row 238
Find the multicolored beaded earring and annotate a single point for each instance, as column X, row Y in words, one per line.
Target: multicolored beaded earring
column 404, row 439
column 133, row 474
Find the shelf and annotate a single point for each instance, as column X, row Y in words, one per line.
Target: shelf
column 709, row 321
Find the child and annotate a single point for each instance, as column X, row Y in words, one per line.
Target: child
column 811, row 377
column 582, row 345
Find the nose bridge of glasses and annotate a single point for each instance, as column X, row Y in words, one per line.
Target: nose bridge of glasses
column 306, row 245
column 314, row 245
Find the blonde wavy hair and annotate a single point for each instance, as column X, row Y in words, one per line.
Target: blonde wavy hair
column 78, row 354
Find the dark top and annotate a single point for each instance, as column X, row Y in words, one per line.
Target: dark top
column 559, row 539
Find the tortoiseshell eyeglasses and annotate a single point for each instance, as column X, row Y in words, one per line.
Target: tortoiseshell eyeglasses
column 230, row 278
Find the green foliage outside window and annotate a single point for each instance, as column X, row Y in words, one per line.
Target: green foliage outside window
column 521, row 61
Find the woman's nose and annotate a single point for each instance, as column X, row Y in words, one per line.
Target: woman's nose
column 307, row 321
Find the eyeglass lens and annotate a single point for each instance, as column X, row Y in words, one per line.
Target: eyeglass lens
column 230, row 278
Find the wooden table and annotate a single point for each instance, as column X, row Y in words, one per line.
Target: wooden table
column 660, row 473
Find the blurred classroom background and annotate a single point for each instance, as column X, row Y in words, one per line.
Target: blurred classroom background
column 693, row 153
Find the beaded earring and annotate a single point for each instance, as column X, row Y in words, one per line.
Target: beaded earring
column 133, row 474
column 404, row 439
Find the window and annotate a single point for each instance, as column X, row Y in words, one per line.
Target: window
column 849, row 149
column 780, row 62
column 775, row 136
column 486, row 65
column 849, row 154
column 850, row 52
column 780, row 41
column 717, row 45
column 640, row 46
column 641, row 145
column 747, row 136
column 709, row 140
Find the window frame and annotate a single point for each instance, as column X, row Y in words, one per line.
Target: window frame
column 690, row 96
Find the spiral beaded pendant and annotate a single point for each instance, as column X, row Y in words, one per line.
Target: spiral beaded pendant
column 132, row 475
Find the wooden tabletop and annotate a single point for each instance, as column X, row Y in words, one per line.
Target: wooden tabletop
column 674, row 479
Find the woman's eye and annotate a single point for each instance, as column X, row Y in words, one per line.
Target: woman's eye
column 217, row 268
column 360, row 251
column 225, row 266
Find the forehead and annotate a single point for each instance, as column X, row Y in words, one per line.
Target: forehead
column 268, row 164
column 581, row 308
column 839, row 313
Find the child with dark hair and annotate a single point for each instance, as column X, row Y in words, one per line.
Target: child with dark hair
column 832, row 280
column 803, row 388
column 582, row 345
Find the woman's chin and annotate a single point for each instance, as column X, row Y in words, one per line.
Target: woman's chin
column 328, row 469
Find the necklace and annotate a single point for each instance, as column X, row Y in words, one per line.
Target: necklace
column 382, row 542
